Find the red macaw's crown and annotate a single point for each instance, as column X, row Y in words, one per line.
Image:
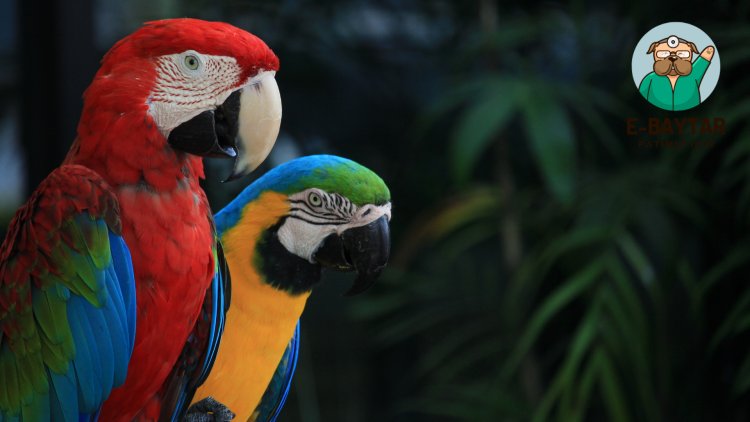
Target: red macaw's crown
column 170, row 36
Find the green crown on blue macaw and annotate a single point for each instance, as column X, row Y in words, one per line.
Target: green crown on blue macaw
column 327, row 172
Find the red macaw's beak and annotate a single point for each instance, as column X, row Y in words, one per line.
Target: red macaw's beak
column 244, row 127
column 363, row 249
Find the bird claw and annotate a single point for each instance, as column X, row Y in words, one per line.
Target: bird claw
column 209, row 410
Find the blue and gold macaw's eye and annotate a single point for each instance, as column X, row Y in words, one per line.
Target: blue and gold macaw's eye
column 314, row 199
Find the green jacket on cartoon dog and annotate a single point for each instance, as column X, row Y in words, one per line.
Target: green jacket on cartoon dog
column 657, row 89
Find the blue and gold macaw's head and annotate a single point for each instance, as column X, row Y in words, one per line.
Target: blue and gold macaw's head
column 310, row 213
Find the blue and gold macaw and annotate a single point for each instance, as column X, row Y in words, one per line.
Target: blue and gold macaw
column 310, row 213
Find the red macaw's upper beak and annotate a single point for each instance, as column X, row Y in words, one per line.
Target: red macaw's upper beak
column 244, row 127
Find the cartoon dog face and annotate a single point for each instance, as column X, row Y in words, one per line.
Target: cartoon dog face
column 673, row 56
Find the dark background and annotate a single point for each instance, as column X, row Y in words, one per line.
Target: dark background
column 547, row 265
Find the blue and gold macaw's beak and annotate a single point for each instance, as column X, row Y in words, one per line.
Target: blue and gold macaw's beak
column 364, row 249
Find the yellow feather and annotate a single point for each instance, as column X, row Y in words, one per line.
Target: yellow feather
column 260, row 321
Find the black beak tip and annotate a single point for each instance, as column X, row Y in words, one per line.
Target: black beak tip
column 368, row 248
column 233, row 176
column 362, row 283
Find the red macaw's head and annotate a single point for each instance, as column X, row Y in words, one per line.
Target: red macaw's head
column 207, row 87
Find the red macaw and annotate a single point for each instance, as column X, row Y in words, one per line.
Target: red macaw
column 128, row 196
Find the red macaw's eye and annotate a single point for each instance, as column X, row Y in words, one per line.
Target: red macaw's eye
column 192, row 62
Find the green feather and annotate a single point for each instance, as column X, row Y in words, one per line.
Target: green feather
column 5, row 358
column 62, row 291
column 27, row 329
column 37, row 409
column 11, row 384
column 50, row 314
column 25, row 380
column 38, row 379
column 86, row 273
column 349, row 179
column 57, row 345
column 94, row 237
column 55, row 356
column 76, row 273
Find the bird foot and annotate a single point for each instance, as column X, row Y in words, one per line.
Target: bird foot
column 209, row 410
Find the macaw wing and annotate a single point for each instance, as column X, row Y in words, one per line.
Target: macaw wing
column 278, row 389
column 199, row 353
column 67, row 301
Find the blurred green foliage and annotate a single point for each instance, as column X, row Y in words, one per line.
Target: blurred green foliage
column 569, row 274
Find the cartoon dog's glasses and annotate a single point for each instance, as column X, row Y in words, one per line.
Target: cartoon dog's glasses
column 663, row 54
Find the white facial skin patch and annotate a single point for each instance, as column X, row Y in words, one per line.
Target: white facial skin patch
column 190, row 83
column 316, row 214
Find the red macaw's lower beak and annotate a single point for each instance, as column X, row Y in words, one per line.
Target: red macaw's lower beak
column 363, row 249
column 244, row 127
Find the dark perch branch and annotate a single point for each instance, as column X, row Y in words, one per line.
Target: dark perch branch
column 209, row 410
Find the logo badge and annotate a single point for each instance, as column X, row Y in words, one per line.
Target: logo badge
column 675, row 66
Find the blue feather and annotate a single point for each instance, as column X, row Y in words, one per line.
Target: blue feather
column 64, row 395
column 218, row 315
column 123, row 267
column 278, row 389
column 118, row 326
column 86, row 361
column 104, row 337
column 292, row 366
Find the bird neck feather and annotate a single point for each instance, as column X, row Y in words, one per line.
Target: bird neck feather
column 240, row 243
